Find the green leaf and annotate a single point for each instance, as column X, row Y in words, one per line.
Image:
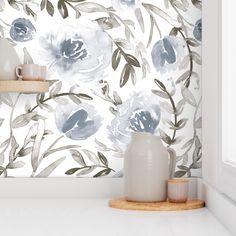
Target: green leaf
column 15, row 165
column 161, row 14
column 75, row 99
column 197, row 3
column 84, row 96
column 165, row 137
column 62, row 8
column 196, row 57
column 160, row 84
column 91, row 156
column 188, row 96
column 66, row 147
column 139, row 17
column 180, row 107
column 183, row 77
column 86, row 170
column 50, row 8
column 56, row 89
column 25, row 151
column 187, row 144
column 48, row 170
column 173, row 32
column 6, row 98
column 131, row 60
column 152, row 23
column 125, row 74
column 181, row 123
column 23, row 120
column 90, row 7
column 29, row 11
column 185, row 168
column 192, row 42
column 160, row 94
column 108, row 22
column 180, row 173
column 198, row 123
column 14, row 5
column 123, row 43
column 116, row 58
column 43, row 4
column 37, row 145
column 167, row 107
column 196, row 165
column 77, row 156
column 102, row 173
column 103, row 159
column 117, row 98
column 72, row 171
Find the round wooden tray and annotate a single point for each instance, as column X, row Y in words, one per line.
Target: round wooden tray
column 121, row 203
column 20, row 86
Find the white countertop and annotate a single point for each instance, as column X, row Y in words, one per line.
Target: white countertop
column 93, row 217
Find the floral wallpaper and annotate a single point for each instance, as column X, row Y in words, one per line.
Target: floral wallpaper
column 114, row 67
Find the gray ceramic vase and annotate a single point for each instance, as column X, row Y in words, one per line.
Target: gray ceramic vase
column 147, row 168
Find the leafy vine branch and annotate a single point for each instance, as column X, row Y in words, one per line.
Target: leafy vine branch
column 128, row 70
column 41, row 100
column 99, row 161
column 174, row 109
column 197, row 155
column 191, row 57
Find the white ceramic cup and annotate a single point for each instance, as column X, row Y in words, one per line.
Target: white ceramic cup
column 178, row 190
column 31, row 72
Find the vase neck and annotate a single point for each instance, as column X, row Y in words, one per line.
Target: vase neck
column 143, row 137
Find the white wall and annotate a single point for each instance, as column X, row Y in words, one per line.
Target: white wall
column 211, row 100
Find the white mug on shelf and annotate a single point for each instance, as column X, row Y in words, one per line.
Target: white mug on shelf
column 31, row 72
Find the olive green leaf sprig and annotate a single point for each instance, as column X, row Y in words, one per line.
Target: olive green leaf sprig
column 62, row 6
column 114, row 99
column 197, row 3
column 189, row 59
column 195, row 144
column 131, row 62
column 95, row 161
column 59, row 97
column 154, row 11
column 25, row 5
column 11, row 149
column 174, row 109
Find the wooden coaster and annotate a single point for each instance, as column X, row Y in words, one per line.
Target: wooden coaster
column 121, row 203
column 20, row 86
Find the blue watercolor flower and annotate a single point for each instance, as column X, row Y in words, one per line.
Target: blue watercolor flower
column 78, row 51
column 22, row 30
column 197, row 31
column 78, row 122
column 125, row 5
column 141, row 113
column 168, row 53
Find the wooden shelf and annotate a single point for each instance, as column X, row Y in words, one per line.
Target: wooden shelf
column 121, row 203
column 20, row 86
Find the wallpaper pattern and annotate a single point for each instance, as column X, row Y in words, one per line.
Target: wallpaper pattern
column 115, row 67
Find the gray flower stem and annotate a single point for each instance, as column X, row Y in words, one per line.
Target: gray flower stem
column 187, row 81
column 11, row 133
column 52, row 97
column 125, row 25
column 180, row 16
column 10, row 123
column 175, row 114
column 195, row 130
